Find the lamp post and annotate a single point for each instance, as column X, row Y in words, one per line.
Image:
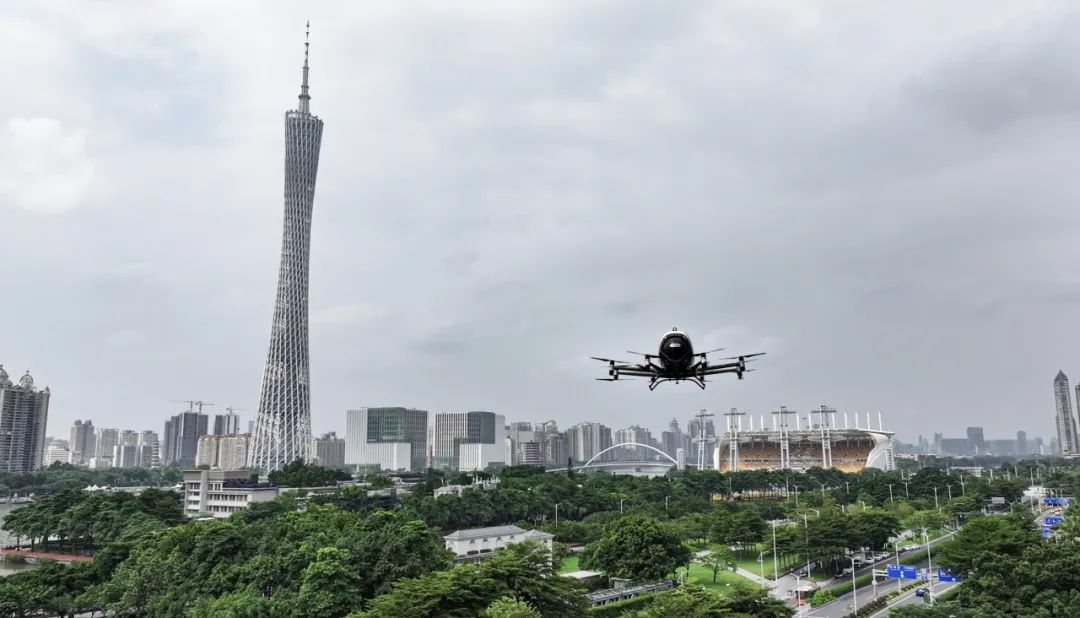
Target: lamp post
column 896, row 548
column 890, row 497
column 862, row 503
column 822, row 491
column 806, row 528
column 963, row 490
column 929, row 565
column 854, row 591
column 761, row 562
column 798, row 594
column 907, row 491
column 556, row 515
column 666, row 498
column 775, row 573
column 935, row 498
column 796, row 496
column 621, row 506
column 847, row 487
column 949, row 487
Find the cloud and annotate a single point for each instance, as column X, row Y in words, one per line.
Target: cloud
column 44, row 168
column 350, row 315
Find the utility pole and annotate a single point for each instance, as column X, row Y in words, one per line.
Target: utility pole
column 701, row 416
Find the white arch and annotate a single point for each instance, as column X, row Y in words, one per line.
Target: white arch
column 615, row 446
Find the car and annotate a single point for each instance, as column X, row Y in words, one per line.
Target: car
column 921, row 592
column 846, row 571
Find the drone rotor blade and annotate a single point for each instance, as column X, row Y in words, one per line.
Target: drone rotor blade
column 711, row 351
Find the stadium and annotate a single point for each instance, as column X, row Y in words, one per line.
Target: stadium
column 805, row 446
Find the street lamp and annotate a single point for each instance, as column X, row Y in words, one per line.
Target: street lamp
column 761, row 562
column 949, row 487
column 963, row 490
column 929, row 565
column 907, row 491
column 854, row 591
column 620, row 505
column 806, row 528
column 935, row 498
column 798, row 594
column 556, row 515
column 890, row 502
column 775, row 573
column 847, row 487
column 796, row 496
column 666, row 498
column 862, row 503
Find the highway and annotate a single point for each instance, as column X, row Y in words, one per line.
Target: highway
column 844, row 605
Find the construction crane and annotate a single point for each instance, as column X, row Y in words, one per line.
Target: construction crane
column 192, row 403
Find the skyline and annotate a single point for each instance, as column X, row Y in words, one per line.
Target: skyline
column 492, row 208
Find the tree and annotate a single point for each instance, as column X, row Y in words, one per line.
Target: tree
column 638, row 548
column 753, row 601
column 688, row 601
column 718, row 560
column 1000, row 536
column 299, row 474
column 509, row 607
column 329, row 584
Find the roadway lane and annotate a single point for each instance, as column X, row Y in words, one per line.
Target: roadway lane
column 845, row 604
column 909, row 597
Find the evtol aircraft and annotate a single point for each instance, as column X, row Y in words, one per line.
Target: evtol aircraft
column 676, row 361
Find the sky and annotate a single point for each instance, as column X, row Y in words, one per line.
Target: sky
column 881, row 196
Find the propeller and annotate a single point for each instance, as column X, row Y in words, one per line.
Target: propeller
column 647, row 356
column 609, row 361
column 744, row 356
column 612, row 379
column 711, row 351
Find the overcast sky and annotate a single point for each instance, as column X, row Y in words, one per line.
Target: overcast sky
column 881, row 196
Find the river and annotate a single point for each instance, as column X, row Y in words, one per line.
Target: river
column 7, row 568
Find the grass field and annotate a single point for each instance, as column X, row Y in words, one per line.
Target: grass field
column 569, row 565
column 725, row 580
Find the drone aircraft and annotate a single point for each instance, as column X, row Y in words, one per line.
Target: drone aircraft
column 675, row 362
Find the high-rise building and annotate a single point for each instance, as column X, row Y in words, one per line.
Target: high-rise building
column 1064, row 420
column 149, row 450
column 468, row 441
column 391, row 438
column 24, row 411
column 976, row 440
column 1022, row 443
column 517, row 434
column 283, row 424
column 586, row 440
column 673, row 439
column 227, row 452
column 638, row 434
column 182, row 437
column 107, row 439
column 226, row 424
column 125, row 456
column 82, row 442
column 328, row 450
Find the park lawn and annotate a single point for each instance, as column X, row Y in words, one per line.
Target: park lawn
column 569, row 564
column 725, row 579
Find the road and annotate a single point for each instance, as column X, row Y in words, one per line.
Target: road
column 844, row 605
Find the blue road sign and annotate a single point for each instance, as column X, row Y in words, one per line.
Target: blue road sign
column 892, row 571
column 944, row 575
column 1047, row 533
column 909, row 572
column 1053, row 520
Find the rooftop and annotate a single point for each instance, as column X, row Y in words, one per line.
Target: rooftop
column 477, row 533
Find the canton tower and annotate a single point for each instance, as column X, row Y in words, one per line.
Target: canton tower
column 283, row 425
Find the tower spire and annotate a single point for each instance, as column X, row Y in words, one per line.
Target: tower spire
column 305, row 98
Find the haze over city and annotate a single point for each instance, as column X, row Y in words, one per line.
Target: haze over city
column 506, row 191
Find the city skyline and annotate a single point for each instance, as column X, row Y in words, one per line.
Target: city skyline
column 489, row 213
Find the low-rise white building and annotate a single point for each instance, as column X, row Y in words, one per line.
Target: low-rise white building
column 478, row 543
column 221, row 493
column 457, row 490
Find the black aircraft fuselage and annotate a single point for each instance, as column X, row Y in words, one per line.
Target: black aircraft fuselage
column 676, row 351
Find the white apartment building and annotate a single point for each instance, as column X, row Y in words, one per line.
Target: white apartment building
column 220, row 493
column 478, row 543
